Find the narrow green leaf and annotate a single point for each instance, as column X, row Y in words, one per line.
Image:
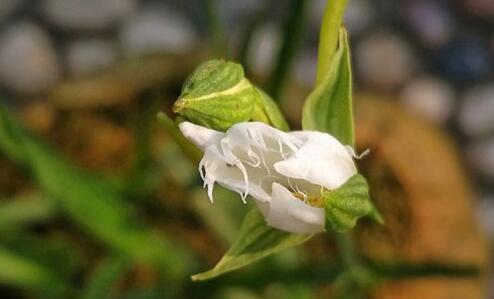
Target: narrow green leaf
column 328, row 107
column 63, row 258
column 25, row 210
column 93, row 203
column 104, row 277
column 20, row 271
column 345, row 205
column 224, row 217
column 255, row 241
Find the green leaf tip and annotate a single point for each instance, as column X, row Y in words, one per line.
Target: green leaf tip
column 376, row 215
column 256, row 240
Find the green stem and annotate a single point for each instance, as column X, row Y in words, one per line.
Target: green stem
column 293, row 29
column 328, row 36
column 189, row 149
column 137, row 182
column 217, row 34
column 355, row 278
column 348, row 255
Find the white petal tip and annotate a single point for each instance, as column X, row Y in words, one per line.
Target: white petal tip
column 200, row 136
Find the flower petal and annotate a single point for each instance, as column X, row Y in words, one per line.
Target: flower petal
column 200, row 136
column 321, row 160
column 221, row 169
column 288, row 213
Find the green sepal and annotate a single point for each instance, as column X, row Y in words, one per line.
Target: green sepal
column 345, row 205
column 270, row 111
column 255, row 241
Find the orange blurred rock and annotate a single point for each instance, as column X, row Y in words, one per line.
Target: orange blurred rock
column 121, row 84
column 419, row 185
column 94, row 142
column 39, row 116
column 430, row 288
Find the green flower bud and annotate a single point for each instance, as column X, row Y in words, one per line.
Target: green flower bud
column 217, row 95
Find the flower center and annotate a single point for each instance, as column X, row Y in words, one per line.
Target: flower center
column 315, row 201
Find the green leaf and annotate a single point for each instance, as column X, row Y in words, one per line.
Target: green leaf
column 328, row 107
column 224, row 217
column 104, row 278
column 345, row 205
column 255, row 241
column 26, row 209
column 62, row 258
column 20, row 271
column 93, row 203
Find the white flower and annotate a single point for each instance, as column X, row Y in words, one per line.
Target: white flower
column 284, row 172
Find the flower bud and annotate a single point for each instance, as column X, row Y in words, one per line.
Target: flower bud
column 217, row 95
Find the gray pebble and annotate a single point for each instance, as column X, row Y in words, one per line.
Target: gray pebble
column 86, row 14
column 359, row 15
column 431, row 21
column 7, row 7
column 235, row 11
column 84, row 57
column 156, row 29
column 263, row 49
column 305, row 67
column 384, row 61
column 480, row 155
column 28, row 62
column 485, row 212
column 430, row 98
column 476, row 116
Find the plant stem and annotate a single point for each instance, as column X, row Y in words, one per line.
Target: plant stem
column 355, row 278
column 348, row 255
column 328, row 35
column 216, row 32
column 192, row 152
column 293, row 29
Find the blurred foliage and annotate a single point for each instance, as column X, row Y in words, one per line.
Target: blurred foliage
column 81, row 235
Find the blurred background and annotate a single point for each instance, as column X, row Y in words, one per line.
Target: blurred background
column 97, row 201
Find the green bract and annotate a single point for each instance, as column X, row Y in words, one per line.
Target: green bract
column 217, row 95
column 345, row 205
column 328, row 107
